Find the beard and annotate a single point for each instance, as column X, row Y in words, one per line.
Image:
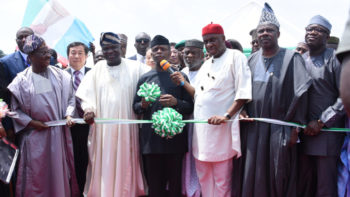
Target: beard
column 194, row 65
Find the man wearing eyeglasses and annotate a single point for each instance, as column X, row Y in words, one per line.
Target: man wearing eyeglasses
column 142, row 43
column 320, row 150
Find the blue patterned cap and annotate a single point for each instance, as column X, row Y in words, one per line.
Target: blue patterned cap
column 109, row 38
column 268, row 16
column 32, row 43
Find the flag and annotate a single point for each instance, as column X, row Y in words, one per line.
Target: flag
column 56, row 25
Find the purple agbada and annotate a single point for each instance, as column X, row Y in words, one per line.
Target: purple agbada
column 46, row 164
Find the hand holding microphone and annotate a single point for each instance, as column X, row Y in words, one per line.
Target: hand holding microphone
column 176, row 77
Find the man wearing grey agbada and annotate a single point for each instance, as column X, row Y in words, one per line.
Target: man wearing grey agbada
column 320, row 150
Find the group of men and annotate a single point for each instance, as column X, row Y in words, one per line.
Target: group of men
column 233, row 155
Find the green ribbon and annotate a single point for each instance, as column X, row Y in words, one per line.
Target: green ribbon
column 159, row 120
column 167, row 122
column 149, row 91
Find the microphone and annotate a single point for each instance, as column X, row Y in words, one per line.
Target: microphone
column 165, row 65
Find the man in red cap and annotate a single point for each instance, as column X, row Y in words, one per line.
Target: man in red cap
column 224, row 85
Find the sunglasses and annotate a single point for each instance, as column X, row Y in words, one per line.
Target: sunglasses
column 142, row 39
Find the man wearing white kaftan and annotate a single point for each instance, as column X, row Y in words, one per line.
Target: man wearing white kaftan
column 224, row 86
column 231, row 82
column 114, row 166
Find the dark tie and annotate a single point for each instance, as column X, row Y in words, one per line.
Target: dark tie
column 75, row 86
column 26, row 61
column 76, row 79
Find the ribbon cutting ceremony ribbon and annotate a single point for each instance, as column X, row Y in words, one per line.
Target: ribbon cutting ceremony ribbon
column 123, row 121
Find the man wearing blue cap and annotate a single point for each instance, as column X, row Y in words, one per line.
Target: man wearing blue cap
column 107, row 91
column 320, row 150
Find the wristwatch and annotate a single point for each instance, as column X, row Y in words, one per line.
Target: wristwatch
column 227, row 115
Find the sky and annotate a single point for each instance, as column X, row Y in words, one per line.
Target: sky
column 182, row 19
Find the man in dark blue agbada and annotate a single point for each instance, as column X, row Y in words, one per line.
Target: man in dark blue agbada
column 320, row 150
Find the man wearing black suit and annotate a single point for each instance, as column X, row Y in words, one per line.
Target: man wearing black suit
column 77, row 53
column 10, row 65
column 142, row 43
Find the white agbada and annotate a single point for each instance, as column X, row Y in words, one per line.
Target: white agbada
column 221, row 81
column 114, row 166
column 191, row 76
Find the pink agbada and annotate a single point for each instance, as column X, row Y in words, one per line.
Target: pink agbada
column 46, row 162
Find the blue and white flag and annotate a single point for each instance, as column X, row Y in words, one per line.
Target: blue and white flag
column 49, row 19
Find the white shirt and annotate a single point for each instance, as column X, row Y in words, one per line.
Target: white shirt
column 221, row 81
column 140, row 58
column 81, row 74
column 191, row 76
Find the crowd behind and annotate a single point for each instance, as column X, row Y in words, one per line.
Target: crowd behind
column 234, row 154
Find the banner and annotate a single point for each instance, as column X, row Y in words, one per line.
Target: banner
column 56, row 25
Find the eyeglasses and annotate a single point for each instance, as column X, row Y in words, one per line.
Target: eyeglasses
column 145, row 40
column 42, row 52
column 316, row 29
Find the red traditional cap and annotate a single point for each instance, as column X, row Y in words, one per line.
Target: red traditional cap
column 212, row 29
